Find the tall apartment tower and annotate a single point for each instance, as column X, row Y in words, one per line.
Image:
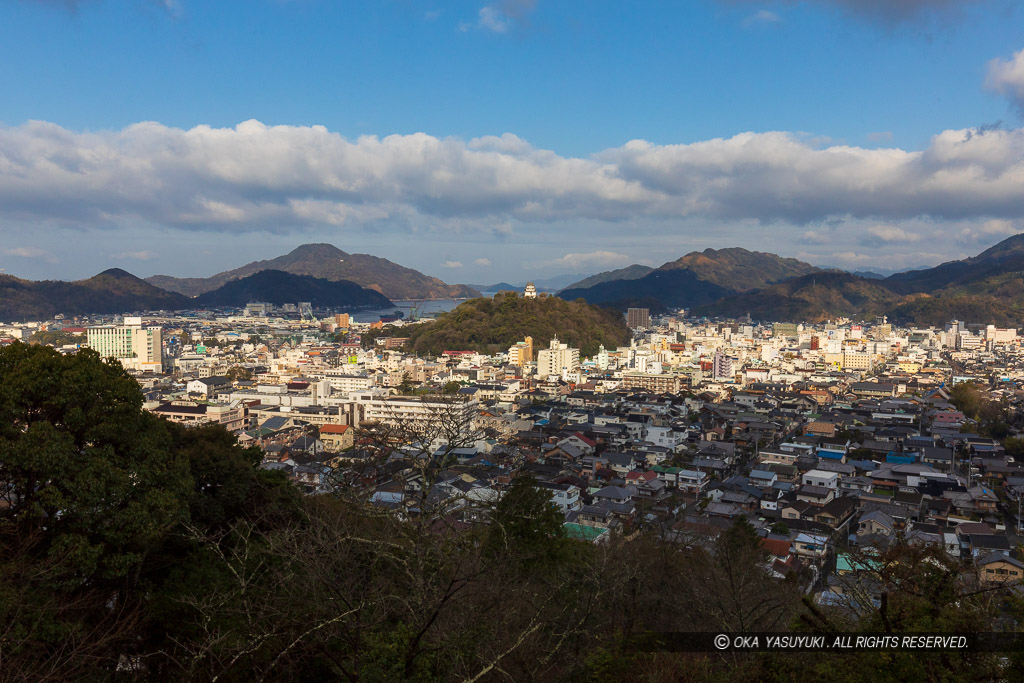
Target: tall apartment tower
column 521, row 353
column 137, row 347
column 722, row 366
column 638, row 318
column 557, row 359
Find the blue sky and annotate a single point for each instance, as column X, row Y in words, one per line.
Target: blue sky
column 480, row 141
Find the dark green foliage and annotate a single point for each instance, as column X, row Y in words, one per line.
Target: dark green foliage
column 814, row 297
column 112, row 291
column 131, row 547
column 986, row 288
column 633, row 272
column 56, row 338
column 697, row 279
column 95, row 492
column 991, row 416
column 327, row 262
column 83, row 462
column 526, row 527
column 278, row 287
column 492, row 325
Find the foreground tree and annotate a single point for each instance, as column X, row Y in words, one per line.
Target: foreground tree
column 94, row 496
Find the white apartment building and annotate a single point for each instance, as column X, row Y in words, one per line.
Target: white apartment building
column 822, row 478
column 136, row 347
column 557, row 359
column 440, row 418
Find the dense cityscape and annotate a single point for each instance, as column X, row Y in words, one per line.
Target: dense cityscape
column 838, row 447
column 511, row 340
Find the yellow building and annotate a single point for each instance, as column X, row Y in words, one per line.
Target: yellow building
column 521, row 353
column 336, row 438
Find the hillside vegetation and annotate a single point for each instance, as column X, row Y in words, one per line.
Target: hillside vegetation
column 986, row 288
column 327, row 262
column 491, row 325
column 811, row 298
column 697, row 279
column 112, row 291
column 278, row 287
column 740, row 269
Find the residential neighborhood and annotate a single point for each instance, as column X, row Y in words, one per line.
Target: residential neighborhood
column 835, row 441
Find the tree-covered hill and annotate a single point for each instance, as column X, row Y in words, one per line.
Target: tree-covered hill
column 697, row 279
column 491, row 325
column 811, row 298
column 279, row 287
column 327, row 262
column 112, row 291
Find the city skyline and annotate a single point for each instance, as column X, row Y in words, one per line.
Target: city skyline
column 509, row 140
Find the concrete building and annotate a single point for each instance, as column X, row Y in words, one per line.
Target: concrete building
column 638, row 318
column 557, row 359
column 258, row 309
column 521, row 353
column 722, row 366
column 136, row 347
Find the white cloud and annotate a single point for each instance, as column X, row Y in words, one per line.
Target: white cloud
column 851, row 257
column 888, row 12
column 501, row 17
column 451, row 264
column 31, row 253
column 1006, row 76
column 887, row 234
column 492, row 18
column 989, row 230
column 172, row 7
column 483, row 262
column 284, row 179
column 26, row 252
column 578, row 262
column 762, row 17
column 135, row 255
column 814, row 237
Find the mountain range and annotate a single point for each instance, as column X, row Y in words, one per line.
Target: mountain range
column 327, row 262
column 731, row 282
column 112, row 291
column 988, row 287
column 554, row 283
column 698, row 278
column 117, row 291
column 278, row 287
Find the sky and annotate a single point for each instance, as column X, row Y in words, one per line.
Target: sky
column 481, row 141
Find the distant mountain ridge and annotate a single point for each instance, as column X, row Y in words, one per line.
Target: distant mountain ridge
column 112, row 291
column 633, row 272
column 327, row 262
column 278, row 287
column 733, row 282
column 696, row 279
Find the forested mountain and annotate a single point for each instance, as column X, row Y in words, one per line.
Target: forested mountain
column 112, row 291
column 491, row 325
column 633, row 272
column 278, row 287
column 696, row 279
column 810, row 298
column 988, row 287
column 327, row 262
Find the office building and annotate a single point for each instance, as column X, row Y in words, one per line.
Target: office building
column 137, row 347
column 638, row 318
